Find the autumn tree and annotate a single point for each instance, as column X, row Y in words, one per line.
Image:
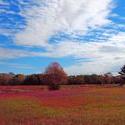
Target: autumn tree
column 5, row 78
column 122, row 73
column 17, row 79
column 76, row 80
column 56, row 76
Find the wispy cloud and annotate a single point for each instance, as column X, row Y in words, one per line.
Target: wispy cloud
column 106, row 56
column 16, row 65
column 53, row 16
column 89, row 29
column 6, row 53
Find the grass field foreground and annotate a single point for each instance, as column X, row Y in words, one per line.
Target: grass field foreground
column 74, row 105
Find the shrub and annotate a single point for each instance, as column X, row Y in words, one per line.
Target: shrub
column 54, row 87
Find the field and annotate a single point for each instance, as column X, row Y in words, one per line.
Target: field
column 72, row 105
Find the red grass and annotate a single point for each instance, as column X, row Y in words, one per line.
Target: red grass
column 72, row 105
column 66, row 97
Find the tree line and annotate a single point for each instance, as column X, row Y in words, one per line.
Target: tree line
column 55, row 75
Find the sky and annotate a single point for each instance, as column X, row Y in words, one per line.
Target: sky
column 84, row 36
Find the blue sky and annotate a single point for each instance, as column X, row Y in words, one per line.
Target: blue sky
column 84, row 36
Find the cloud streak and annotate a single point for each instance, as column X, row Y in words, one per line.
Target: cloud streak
column 6, row 53
column 54, row 16
column 89, row 33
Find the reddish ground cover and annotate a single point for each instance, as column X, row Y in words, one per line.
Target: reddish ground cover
column 72, row 105
column 66, row 97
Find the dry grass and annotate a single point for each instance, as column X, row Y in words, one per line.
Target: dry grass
column 74, row 105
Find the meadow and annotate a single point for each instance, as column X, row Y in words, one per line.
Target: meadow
column 71, row 105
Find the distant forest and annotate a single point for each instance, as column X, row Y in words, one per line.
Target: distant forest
column 55, row 74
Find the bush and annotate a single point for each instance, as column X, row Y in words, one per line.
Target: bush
column 53, row 86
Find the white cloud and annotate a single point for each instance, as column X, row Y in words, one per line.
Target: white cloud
column 74, row 17
column 97, row 67
column 75, row 49
column 106, row 56
column 102, row 56
column 16, row 65
column 118, row 39
column 70, row 16
column 6, row 53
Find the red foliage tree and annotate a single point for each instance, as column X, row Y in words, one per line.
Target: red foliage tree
column 5, row 78
column 56, row 74
column 17, row 79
